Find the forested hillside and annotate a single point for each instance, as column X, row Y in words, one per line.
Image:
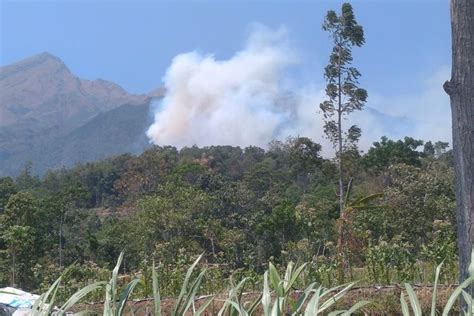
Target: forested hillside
column 240, row 207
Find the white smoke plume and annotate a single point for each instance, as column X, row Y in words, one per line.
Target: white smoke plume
column 247, row 100
column 239, row 101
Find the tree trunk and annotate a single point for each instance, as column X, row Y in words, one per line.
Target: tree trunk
column 461, row 91
column 14, row 268
column 339, row 136
column 340, row 235
column 60, row 249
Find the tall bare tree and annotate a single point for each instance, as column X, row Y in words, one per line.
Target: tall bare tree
column 460, row 89
column 344, row 96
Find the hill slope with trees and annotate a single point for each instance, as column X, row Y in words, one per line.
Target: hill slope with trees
column 241, row 207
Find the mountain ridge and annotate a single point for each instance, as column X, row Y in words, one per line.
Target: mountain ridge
column 42, row 102
column 42, row 83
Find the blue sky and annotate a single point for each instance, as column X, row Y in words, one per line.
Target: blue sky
column 133, row 42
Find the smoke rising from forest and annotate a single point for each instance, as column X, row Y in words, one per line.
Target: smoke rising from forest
column 247, row 100
column 239, row 101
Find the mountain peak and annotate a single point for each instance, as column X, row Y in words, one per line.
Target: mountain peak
column 45, row 56
column 44, row 61
column 41, row 102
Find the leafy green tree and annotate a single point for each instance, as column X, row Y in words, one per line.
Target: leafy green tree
column 19, row 236
column 261, row 176
column 251, row 156
column 437, row 150
column 416, row 198
column 277, row 229
column 168, row 220
column 7, row 188
column 304, row 155
column 21, row 209
column 428, row 149
column 20, row 243
column 440, row 148
column 69, row 198
column 342, row 90
column 189, row 172
column 388, row 152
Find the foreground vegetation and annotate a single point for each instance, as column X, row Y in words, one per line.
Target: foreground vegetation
column 278, row 296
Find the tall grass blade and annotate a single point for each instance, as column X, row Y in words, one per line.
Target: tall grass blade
column 302, row 299
column 184, row 287
column 329, row 302
column 294, row 277
column 288, row 274
column 125, row 295
column 276, row 310
column 204, row 306
column 114, row 279
column 355, row 308
column 333, row 289
column 435, row 289
column 454, row 296
column 52, row 289
column 275, row 279
column 37, row 305
column 232, row 291
column 313, row 304
column 414, row 303
column 41, row 305
column 266, row 297
column 238, row 308
column 108, row 300
column 469, row 302
column 192, row 292
column 404, row 305
column 80, row 294
column 50, row 304
column 254, row 305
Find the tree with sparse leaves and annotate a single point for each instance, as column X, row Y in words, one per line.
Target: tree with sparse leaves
column 343, row 93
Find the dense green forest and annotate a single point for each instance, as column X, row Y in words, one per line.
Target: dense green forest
column 241, row 208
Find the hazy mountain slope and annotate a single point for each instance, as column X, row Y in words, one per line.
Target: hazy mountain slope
column 118, row 131
column 53, row 118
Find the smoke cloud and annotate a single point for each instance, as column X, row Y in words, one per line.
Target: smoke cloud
column 424, row 115
column 248, row 100
column 239, row 101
